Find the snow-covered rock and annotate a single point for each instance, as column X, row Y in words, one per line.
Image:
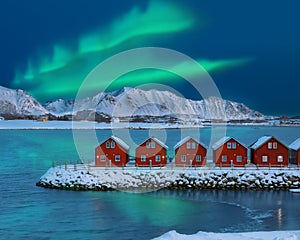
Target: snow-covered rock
column 144, row 179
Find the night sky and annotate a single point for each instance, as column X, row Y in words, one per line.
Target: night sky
column 250, row 48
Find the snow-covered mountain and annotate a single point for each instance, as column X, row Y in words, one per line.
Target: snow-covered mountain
column 60, row 106
column 134, row 102
column 18, row 103
column 127, row 102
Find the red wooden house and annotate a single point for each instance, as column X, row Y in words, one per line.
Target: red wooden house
column 229, row 152
column 112, row 152
column 295, row 152
column 269, row 151
column 151, row 152
column 189, row 152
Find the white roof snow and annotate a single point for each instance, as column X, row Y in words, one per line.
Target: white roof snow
column 120, row 142
column 260, row 142
column 295, row 145
column 182, row 141
column 220, row 142
column 159, row 142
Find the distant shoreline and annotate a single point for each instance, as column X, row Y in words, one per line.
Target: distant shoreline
column 55, row 125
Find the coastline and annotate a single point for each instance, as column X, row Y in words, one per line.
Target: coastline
column 54, row 125
column 83, row 177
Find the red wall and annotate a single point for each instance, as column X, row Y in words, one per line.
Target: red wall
column 150, row 155
column 110, row 155
column 256, row 154
column 190, row 154
column 231, row 154
column 298, row 157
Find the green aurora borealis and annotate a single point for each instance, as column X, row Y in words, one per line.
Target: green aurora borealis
column 60, row 73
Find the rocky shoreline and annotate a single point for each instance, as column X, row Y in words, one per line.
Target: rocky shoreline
column 85, row 178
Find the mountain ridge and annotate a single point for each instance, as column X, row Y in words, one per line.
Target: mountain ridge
column 127, row 102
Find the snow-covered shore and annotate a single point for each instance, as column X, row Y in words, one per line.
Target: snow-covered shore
column 84, row 177
column 275, row 235
column 33, row 124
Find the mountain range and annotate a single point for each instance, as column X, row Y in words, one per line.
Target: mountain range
column 126, row 103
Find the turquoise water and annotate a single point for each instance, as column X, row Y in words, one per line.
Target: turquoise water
column 30, row 212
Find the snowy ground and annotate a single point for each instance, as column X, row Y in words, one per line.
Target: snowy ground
column 32, row 124
column 276, row 235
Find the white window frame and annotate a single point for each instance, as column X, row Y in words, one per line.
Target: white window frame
column 280, row 158
column 264, row 159
column 229, row 146
column 112, row 144
column 152, row 144
column 148, row 144
column 143, row 158
column 102, row 158
column 224, row 158
column 193, row 145
column 117, row 158
column 183, row 158
column 270, row 145
column 233, row 145
column 275, row 145
column 198, row 158
column 188, row 145
column 157, row 158
column 239, row 158
column 107, row 144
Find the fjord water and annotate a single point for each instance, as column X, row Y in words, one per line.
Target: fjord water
column 30, row 212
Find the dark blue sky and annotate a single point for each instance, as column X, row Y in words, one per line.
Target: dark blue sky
column 267, row 32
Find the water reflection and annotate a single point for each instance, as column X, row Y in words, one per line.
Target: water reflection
column 279, row 216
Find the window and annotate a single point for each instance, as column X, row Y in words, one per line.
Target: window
column 188, row 145
column 280, row 159
column 152, row 144
column 112, row 144
column 103, row 158
column 264, row 158
column 148, row 144
column 233, row 145
column 224, row 158
column 143, row 158
column 239, row 158
column 269, row 145
column 117, row 158
column 183, row 158
column 157, row 158
column 229, row 145
column 198, row 158
column 107, row 144
column 274, row 145
column 193, row 145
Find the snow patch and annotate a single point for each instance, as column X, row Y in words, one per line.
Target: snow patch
column 276, row 235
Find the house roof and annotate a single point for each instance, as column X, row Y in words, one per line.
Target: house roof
column 157, row 141
column 160, row 142
column 260, row 142
column 120, row 142
column 295, row 145
column 222, row 141
column 263, row 140
column 182, row 141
